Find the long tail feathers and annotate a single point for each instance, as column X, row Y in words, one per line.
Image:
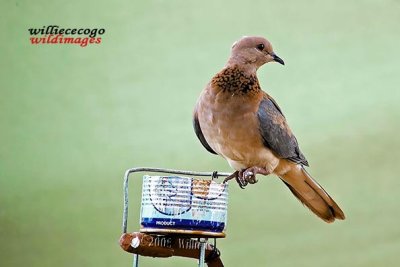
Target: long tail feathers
column 312, row 195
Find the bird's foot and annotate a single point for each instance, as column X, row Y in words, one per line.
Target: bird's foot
column 238, row 175
column 250, row 176
column 247, row 176
column 242, row 182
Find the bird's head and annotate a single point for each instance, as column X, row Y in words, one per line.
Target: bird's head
column 253, row 51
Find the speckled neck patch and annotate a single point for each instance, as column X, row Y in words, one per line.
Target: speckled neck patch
column 234, row 80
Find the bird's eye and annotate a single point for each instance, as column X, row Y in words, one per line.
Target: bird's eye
column 260, row 47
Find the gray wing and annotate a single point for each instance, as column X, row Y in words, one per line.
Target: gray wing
column 199, row 133
column 276, row 133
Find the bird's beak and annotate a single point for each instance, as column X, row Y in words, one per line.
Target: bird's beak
column 278, row 59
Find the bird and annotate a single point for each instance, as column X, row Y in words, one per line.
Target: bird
column 236, row 119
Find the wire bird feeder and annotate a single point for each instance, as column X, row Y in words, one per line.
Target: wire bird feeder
column 178, row 215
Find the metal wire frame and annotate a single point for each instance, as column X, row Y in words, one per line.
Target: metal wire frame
column 169, row 171
column 158, row 170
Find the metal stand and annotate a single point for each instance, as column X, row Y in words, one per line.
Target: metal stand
column 203, row 241
column 135, row 260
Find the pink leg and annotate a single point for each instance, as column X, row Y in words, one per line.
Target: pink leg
column 230, row 177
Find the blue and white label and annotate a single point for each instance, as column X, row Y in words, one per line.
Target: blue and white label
column 183, row 203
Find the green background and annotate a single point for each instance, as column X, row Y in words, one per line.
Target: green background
column 73, row 119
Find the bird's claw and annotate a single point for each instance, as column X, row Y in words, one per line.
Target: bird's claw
column 238, row 175
column 242, row 182
column 250, row 177
column 243, row 178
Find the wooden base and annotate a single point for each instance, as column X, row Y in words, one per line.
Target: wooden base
column 167, row 246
